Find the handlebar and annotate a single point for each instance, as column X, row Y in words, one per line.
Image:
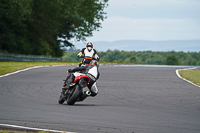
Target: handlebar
column 92, row 58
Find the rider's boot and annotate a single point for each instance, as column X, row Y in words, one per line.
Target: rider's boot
column 64, row 84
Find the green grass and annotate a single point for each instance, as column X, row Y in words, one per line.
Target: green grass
column 7, row 67
column 191, row 75
column 19, row 131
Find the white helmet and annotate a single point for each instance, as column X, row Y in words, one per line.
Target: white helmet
column 89, row 44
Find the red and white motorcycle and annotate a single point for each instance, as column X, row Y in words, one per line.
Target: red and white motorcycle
column 75, row 91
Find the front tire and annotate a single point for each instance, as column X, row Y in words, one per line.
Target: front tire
column 61, row 100
column 75, row 95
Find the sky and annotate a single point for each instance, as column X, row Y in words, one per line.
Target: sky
column 154, row 20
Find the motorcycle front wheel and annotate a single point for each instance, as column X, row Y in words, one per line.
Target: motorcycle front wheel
column 61, row 100
column 74, row 96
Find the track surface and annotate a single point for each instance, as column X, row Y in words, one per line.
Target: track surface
column 130, row 99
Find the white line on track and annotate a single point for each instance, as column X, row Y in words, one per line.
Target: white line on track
column 20, row 71
column 184, row 78
column 33, row 129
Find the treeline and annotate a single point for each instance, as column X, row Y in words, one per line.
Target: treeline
column 145, row 57
column 43, row 27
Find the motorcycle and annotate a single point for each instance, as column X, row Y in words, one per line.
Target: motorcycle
column 75, row 91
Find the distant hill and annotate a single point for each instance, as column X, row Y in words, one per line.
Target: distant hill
column 142, row 45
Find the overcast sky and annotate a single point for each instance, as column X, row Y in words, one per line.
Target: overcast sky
column 150, row 20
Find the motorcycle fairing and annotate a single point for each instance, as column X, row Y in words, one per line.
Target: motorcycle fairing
column 79, row 76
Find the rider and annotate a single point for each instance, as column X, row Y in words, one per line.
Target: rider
column 88, row 52
column 91, row 71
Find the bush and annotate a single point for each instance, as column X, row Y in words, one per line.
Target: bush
column 172, row 60
column 198, row 63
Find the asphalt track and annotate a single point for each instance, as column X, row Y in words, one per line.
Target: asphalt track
column 130, row 99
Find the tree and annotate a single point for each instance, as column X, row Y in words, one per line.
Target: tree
column 43, row 27
column 13, row 15
column 172, row 60
column 160, row 58
column 133, row 59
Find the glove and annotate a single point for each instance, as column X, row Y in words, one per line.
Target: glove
column 79, row 56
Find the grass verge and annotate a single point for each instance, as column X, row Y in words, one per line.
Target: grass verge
column 20, row 131
column 191, row 75
column 8, row 67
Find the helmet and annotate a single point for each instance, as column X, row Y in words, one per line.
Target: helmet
column 94, row 63
column 89, row 44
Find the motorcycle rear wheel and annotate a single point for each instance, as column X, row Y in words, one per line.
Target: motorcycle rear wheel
column 75, row 95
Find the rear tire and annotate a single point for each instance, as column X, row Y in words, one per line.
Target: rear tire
column 73, row 98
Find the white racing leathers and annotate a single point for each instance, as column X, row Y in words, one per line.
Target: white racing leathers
column 88, row 54
column 94, row 89
column 95, row 73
